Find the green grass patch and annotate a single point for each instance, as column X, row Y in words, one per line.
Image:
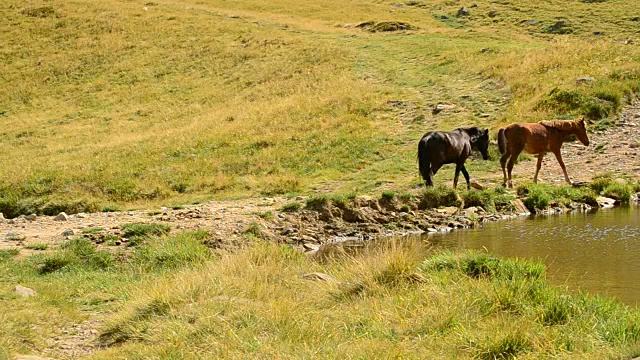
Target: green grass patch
column 435, row 197
column 36, row 246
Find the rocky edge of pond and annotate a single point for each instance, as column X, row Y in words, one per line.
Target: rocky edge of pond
column 305, row 223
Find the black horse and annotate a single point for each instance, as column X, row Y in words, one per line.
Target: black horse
column 437, row 148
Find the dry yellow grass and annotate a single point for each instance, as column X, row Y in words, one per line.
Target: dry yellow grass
column 176, row 101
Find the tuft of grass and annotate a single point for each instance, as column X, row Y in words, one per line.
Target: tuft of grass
column 291, row 207
column 6, row 254
column 144, row 229
column 388, row 195
column 439, row 196
column 36, row 246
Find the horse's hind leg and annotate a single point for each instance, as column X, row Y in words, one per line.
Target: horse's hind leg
column 538, row 166
column 564, row 168
column 455, row 177
column 512, row 162
column 503, row 163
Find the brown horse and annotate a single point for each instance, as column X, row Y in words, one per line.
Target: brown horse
column 538, row 138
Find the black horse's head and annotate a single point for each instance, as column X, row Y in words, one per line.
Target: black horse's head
column 479, row 140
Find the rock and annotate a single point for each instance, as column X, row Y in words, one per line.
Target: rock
column 605, row 202
column 31, row 217
column 62, row 217
column 449, row 210
column 11, row 235
column 585, row 79
column 441, row 107
column 560, row 27
column 463, row 11
column 530, row 22
column 476, row 185
column 24, row 291
column 493, row 13
column 598, row 33
column 10, row 221
column 520, row 208
column 318, row 276
column 67, row 233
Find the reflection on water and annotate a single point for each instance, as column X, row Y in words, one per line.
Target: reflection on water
column 598, row 252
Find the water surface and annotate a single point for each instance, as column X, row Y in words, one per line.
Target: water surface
column 598, row 252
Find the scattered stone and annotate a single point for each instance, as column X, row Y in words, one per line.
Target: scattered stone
column 521, row 209
column 31, row 217
column 463, row 12
column 62, row 217
column 10, row 221
column 493, row 13
column 605, row 202
column 14, row 236
column 441, row 107
column 318, row 276
column 560, row 27
column 67, row 233
column 24, row 291
column 530, row 22
column 585, row 79
column 626, row 42
column 598, row 33
column 449, row 210
column 476, row 185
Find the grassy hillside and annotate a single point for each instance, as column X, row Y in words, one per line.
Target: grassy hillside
column 136, row 103
column 171, row 298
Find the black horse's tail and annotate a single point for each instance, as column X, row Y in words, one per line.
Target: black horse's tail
column 424, row 165
column 502, row 141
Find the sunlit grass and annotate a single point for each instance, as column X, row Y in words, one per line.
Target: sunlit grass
column 111, row 104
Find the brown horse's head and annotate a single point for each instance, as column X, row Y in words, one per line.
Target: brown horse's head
column 581, row 131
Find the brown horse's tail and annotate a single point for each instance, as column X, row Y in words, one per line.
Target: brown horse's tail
column 502, row 141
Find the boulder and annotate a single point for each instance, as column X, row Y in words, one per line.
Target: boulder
column 61, row 217
column 605, row 202
column 24, row 291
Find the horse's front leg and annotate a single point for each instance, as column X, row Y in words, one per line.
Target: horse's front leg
column 564, row 168
column 455, row 177
column 466, row 176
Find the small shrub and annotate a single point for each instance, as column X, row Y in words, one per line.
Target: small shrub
column 54, row 262
column 388, row 195
column 110, row 208
column 291, row 207
column 557, row 311
column 92, row 230
column 435, row 197
column 267, row 215
column 537, row 196
column 173, row 252
column 507, row 347
column 253, row 229
column 8, row 253
column 142, row 229
column 36, row 246
column 620, row 192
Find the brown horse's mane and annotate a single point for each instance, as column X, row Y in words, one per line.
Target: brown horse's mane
column 562, row 125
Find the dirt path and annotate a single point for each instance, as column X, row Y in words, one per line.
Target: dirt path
column 224, row 219
column 615, row 150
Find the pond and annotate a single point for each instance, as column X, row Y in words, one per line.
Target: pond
column 598, row 252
